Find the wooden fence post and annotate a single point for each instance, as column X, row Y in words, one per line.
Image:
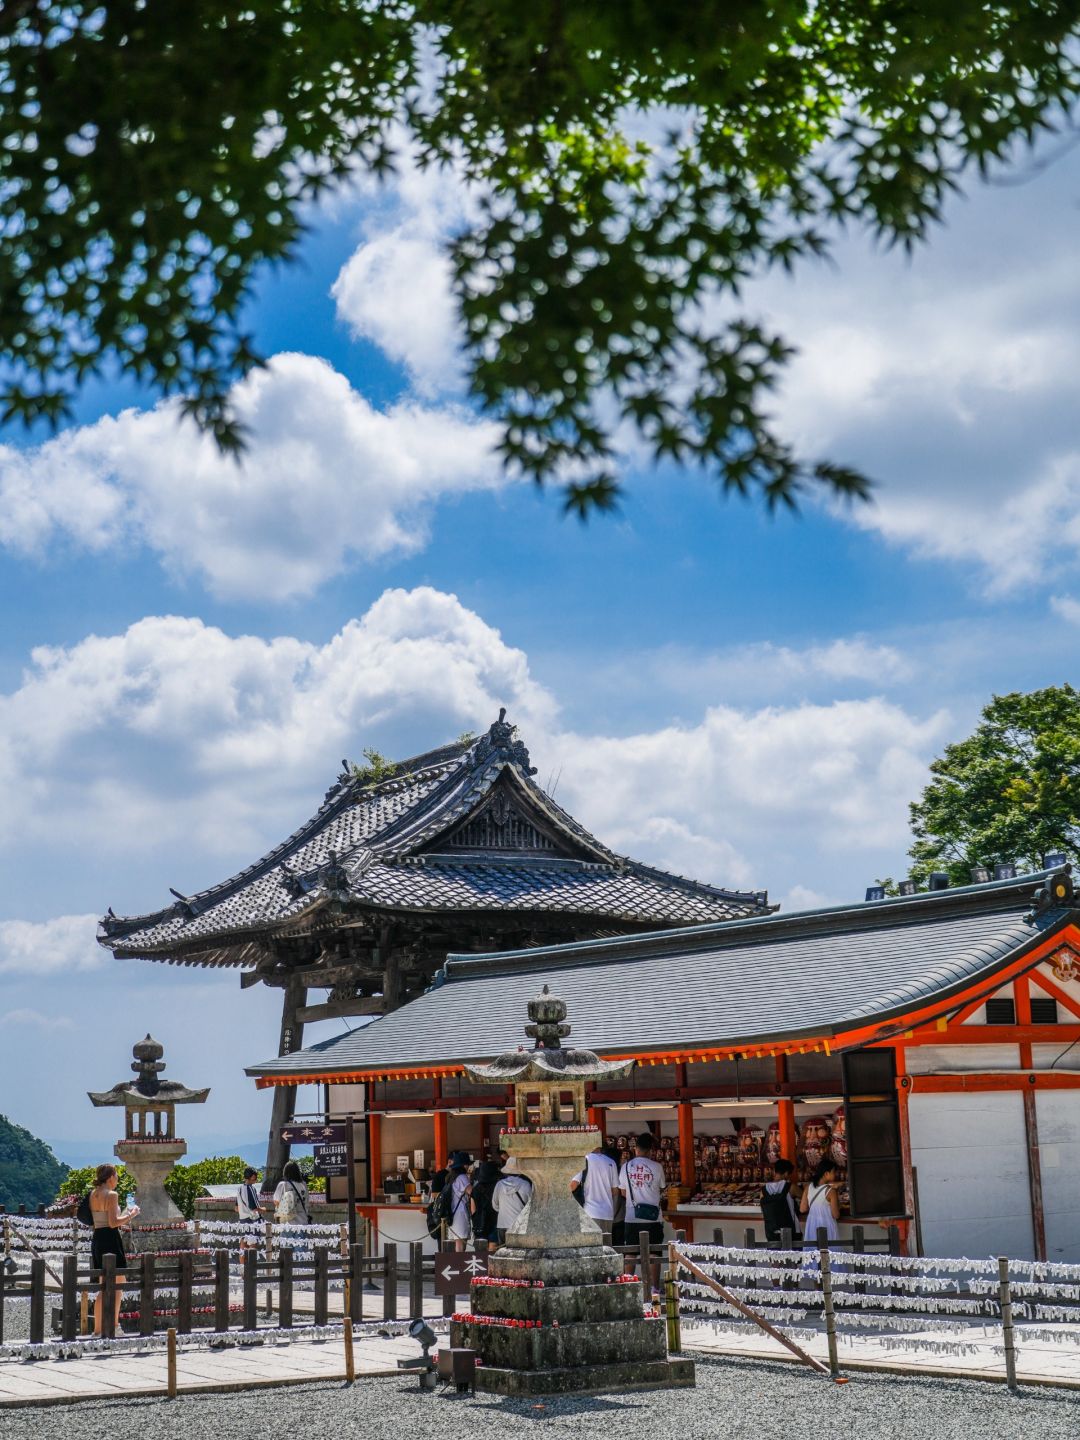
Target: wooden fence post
column 107, row 1297
column 147, row 1295
column 717, row 1235
column 37, row 1301
column 449, row 1304
column 1005, row 1301
column 170, row 1372
column 416, row 1280
column 390, row 1279
column 221, row 1290
column 251, row 1289
column 356, row 1283
column 69, row 1304
column 285, row 1287
column 350, row 1368
column 183, row 1299
column 84, row 1312
column 322, row 1285
column 645, row 1256
column 830, row 1317
column 671, row 1290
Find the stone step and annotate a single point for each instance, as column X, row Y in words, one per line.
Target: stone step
column 604, row 1343
column 587, row 1379
column 568, row 1304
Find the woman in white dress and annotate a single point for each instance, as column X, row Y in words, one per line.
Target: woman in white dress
column 460, row 1223
column 821, row 1205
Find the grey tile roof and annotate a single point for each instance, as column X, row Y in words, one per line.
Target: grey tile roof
column 748, row 981
column 381, row 835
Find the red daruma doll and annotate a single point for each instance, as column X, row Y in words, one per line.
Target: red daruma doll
column 816, row 1138
column 838, row 1147
column 772, row 1145
column 750, row 1152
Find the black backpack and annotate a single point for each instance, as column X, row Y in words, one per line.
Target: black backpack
column 776, row 1212
column 441, row 1208
column 83, row 1213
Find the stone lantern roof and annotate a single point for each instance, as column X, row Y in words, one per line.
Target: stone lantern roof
column 547, row 1062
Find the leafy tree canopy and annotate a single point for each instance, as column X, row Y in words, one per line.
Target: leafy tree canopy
column 1009, row 792
column 636, row 163
column 184, row 1183
column 29, row 1171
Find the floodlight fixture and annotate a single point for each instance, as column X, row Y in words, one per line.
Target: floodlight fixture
column 1004, row 870
column 875, row 892
column 980, row 874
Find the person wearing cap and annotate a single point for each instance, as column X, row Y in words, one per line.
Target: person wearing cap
column 512, row 1193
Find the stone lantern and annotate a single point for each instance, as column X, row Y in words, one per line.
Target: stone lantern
column 568, row 1321
column 150, row 1147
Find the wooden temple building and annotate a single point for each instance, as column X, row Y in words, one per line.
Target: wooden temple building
column 457, row 850
column 930, row 1043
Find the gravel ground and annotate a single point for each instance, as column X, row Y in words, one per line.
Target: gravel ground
column 732, row 1398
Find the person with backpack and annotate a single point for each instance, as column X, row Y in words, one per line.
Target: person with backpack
column 482, row 1199
column 459, row 1189
column 778, row 1202
column 291, row 1197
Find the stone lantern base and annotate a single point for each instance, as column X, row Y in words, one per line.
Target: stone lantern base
column 160, row 1225
column 589, row 1332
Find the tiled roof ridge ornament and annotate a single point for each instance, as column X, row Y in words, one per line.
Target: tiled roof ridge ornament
column 501, row 739
column 333, row 876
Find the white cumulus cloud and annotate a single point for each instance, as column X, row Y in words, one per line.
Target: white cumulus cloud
column 950, row 378
column 327, row 480
column 36, row 1020
column 49, row 947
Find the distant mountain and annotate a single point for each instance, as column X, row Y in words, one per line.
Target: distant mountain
column 30, row 1173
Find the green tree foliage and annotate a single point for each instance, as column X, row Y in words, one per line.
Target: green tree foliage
column 81, row 1181
column 636, row 164
column 1009, row 792
column 30, row 1173
column 186, row 1182
column 376, row 768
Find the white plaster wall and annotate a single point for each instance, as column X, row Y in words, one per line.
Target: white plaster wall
column 933, row 1059
column 1058, row 1113
column 971, row 1158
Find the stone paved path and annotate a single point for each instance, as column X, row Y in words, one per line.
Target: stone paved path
column 100, row 1375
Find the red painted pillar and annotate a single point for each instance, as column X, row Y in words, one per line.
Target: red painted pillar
column 374, row 1154
column 903, row 1090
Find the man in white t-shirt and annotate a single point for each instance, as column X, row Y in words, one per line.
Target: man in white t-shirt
column 642, row 1181
column 601, row 1184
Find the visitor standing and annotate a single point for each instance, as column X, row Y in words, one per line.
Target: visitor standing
column 482, row 1201
column 642, row 1182
column 108, row 1222
column 778, row 1202
column 512, row 1194
column 821, row 1205
column 595, row 1187
column 459, row 1220
column 291, row 1197
column 248, row 1209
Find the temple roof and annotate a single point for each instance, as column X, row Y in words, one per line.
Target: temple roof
column 458, row 829
column 732, row 985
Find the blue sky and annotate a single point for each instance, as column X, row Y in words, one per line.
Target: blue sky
column 188, row 650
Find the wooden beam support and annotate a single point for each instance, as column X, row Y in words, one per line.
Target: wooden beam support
column 338, row 1009
column 284, row 1107
column 903, row 1092
column 1002, row 1080
column 996, row 1035
column 1071, row 1003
